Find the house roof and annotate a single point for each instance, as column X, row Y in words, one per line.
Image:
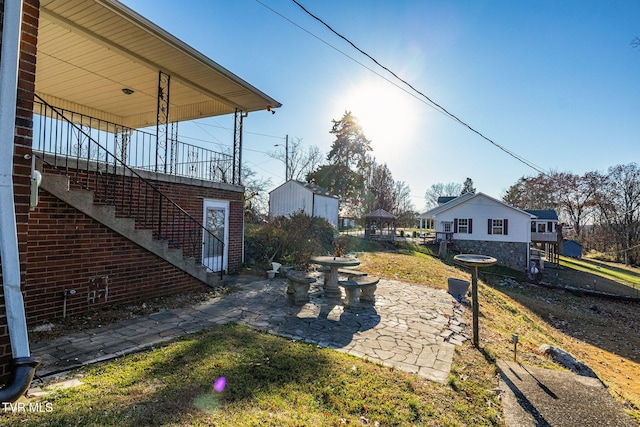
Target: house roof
column 89, row 50
column 546, row 214
column 440, row 208
column 444, row 199
column 464, row 198
column 381, row 214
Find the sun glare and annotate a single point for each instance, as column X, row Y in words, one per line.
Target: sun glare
column 387, row 115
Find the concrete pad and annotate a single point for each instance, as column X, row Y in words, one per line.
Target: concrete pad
column 536, row 397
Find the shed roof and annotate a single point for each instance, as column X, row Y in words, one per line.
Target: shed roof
column 90, row 50
column 314, row 188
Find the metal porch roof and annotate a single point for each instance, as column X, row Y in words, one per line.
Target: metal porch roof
column 89, row 50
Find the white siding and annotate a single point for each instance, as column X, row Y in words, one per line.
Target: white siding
column 480, row 209
column 326, row 207
column 290, row 198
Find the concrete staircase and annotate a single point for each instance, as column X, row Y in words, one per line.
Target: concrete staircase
column 82, row 200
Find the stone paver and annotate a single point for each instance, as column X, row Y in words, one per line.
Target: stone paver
column 413, row 328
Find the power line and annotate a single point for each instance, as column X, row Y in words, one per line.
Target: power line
column 244, row 131
column 431, row 102
column 350, row 57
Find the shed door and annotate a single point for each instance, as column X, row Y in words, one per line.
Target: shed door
column 215, row 245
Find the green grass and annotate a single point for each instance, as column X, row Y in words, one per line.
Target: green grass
column 603, row 270
column 270, row 381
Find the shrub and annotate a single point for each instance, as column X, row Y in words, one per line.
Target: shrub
column 289, row 241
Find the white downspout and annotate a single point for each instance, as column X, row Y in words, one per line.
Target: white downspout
column 14, row 305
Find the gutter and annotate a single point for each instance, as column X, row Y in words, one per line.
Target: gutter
column 24, row 365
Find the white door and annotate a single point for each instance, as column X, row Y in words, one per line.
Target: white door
column 215, row 245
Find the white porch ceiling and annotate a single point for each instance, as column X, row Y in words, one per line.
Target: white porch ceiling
column 89, row 50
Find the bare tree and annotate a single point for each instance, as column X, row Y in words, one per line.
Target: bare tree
column 405, row 210
column 299, row 161
column 256, row 197
column 532, row 193
column 438, row 190
column 379, row 189
column 618, row 200
column 576, row 197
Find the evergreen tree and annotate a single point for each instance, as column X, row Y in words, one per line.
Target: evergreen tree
column 468, row 187
column 348, row 161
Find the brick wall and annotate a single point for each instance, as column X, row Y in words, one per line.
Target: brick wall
column 68, row 250
column 190, row 198
column 22, row 143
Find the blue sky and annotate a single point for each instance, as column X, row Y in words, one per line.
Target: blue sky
column 554, row 81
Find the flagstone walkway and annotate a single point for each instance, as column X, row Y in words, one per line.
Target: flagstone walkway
column 413, row 328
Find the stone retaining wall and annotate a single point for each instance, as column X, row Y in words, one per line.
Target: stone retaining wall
column 509, row 254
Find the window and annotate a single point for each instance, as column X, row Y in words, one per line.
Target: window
column 541, row 227
column 498, row 226
column 446, row 227
column 463, row 225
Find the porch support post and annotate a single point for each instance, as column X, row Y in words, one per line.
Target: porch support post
column 121, row 137
column 162, row 123
column 237, row 146
column 173, row 138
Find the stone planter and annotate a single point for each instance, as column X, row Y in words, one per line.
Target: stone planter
column 457, row 287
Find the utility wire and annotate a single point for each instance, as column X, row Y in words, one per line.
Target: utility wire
column 432, row 102
column 350, row 57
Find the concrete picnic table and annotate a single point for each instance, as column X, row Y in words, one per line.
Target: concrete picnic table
column 334, row 263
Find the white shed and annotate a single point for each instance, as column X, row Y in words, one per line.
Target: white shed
column 295, row 196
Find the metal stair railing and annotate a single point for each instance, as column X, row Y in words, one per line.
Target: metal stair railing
column 71, row 149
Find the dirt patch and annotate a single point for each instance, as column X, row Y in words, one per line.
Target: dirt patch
column 113, row 313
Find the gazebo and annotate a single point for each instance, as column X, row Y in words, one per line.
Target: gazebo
column 380, row 225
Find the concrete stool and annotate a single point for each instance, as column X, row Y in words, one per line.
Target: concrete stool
column 298, row 286
column 359, row 289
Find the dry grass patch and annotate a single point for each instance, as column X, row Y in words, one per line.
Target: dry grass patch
column 601, row 333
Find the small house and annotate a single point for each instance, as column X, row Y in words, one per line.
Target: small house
column 477, row 223
column 311, row 199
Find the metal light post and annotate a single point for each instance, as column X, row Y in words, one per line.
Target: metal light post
column 286, row 157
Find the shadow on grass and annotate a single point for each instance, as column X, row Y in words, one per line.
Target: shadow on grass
column 174, row 384
column 603, row 322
